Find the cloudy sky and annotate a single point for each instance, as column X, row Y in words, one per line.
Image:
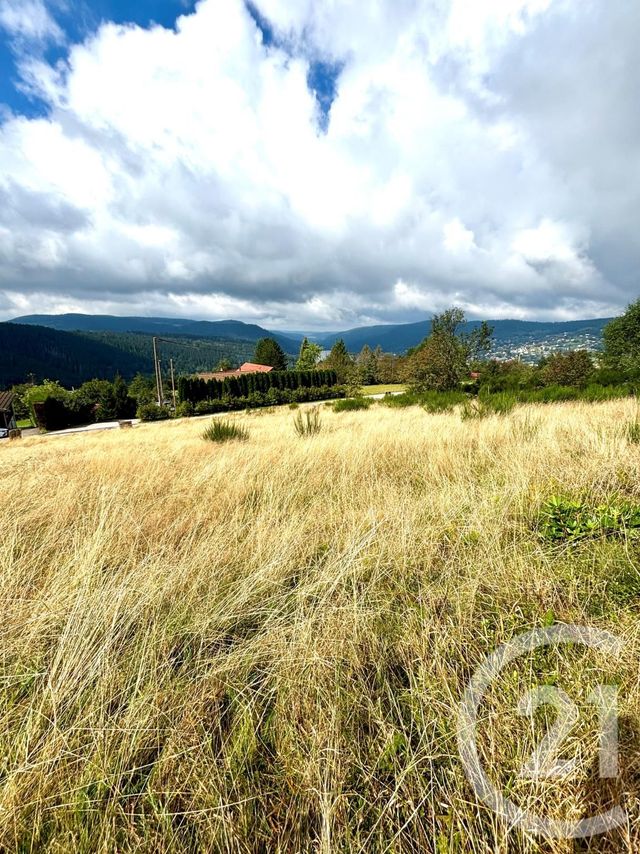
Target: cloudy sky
column 315, row 164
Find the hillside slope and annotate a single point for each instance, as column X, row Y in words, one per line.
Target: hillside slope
column 64, row 356
column 73, row 357
column 232, row 329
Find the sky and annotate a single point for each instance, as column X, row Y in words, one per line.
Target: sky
column 319, row 165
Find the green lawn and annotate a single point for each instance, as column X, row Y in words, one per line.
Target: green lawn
column 24, row 423
column 382, row 389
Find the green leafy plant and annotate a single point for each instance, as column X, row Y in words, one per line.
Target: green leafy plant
column 564, row 518
column 307, row 423
column 225, row 431
column 352, row 404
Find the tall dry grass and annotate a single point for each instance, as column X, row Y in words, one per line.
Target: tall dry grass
column 261, row 646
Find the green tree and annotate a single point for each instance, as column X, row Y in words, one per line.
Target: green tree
column 224, row 365
column 142, row 389
column 572, row 368
column 622, row 340
column 308, row 356
column 269, row 352
column 367, row 365
column 20, row 403
column 510, row 375
column 445, row 357
column 341, row 362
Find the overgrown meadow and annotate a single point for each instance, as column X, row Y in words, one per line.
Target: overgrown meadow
column 259, row 643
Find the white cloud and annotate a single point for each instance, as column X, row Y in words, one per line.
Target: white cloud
column 184, row 171
column 30, row 20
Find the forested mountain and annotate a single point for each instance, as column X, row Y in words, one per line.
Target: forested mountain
column 50, row 354
column 167, row 326
column 74, row 357
column 189, row 354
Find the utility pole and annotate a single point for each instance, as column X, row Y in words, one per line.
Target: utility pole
column 156, row 363
column 173, row 385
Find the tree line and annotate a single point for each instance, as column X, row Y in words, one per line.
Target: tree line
column 195, row 389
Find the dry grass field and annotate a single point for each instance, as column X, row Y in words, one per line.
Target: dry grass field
column 261, row 646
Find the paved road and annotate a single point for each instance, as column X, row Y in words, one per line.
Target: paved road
column 380, row 396
column 90, row 428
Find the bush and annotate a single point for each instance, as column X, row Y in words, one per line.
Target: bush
column 501, row 403
column 352, row 404
column 54, row 413
column 270, row 398
column 211, row 407
column 153, row 412
column 184, row 409
column 441, row 401
column 309, row 423
column 431, row 401
column 400, row 401
column 225, row 431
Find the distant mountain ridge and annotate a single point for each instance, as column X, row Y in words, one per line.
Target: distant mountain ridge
column 231, row 329
column 75, row 347
column 397, row 338
column 393, row 338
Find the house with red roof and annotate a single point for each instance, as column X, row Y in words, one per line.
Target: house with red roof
column 247, row 368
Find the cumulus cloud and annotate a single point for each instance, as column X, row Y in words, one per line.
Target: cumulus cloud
column 482, row 154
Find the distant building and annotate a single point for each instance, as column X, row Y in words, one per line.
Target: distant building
column 247, row 368
column 7, row 415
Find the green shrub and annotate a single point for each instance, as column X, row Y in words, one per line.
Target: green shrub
column 567, row 519
column 352, row 404
column 441, row 401
column 401, row 401
column 225, row 431
column 308, row 423
column 501, row 403
column 185, row 409
column 152, row 412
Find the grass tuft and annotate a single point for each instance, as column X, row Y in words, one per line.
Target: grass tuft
column 225, row 431
column 307, row 423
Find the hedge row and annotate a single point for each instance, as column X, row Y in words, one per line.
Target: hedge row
column 274, row 397
column 193, row 389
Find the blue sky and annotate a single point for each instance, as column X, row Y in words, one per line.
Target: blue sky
column 78, row 20
column 320, row 165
